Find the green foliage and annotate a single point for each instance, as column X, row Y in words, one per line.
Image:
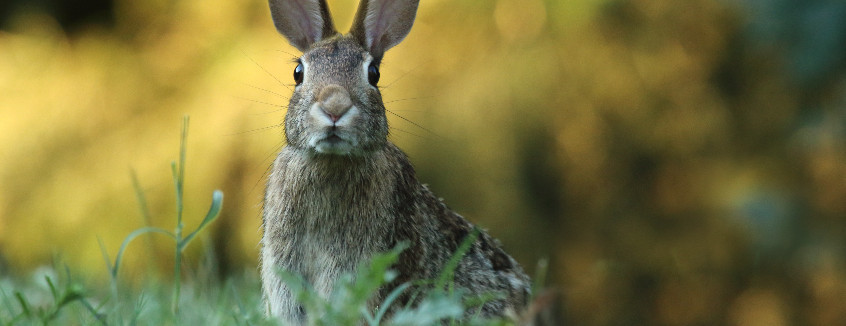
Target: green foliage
column 236, row 301
column 348, row 302
column 59, row 298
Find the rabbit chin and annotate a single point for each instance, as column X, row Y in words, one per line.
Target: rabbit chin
column 333, row 144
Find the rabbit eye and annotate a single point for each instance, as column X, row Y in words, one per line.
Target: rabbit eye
column 298, row 74
column 373, row 74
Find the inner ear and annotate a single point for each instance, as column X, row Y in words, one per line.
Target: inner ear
column 302, row 22
column 381, row 24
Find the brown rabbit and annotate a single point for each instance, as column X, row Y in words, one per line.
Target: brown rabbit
column 340, row 192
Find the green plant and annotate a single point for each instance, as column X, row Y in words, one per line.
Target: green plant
column 348, row 303
column 181, row 242
column 26, row 302
column 61, row 296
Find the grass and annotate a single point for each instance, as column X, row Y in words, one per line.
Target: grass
column 53, row 296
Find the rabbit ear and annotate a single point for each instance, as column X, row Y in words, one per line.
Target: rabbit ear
column 381, row 24
column 302, row 22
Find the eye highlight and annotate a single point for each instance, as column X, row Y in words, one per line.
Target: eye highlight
column 373, row 74
column 298, row 73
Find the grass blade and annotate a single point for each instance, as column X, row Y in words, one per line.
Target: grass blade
column 94, row 311
column 6, row 303
column 389, row 300
column 179, row 182
column 52, row 287
column 214, row 212
column 179, row 172
column 449, row 269
column 105, row 253
column 540, row 276
column 24, row 304
column 142, row 199
column 129, row 239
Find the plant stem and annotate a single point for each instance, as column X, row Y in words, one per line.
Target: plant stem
column 179, row 177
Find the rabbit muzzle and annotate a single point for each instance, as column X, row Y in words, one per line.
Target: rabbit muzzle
column 334, row 101
column 333, row 116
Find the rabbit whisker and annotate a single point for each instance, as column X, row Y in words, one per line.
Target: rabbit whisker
column 269, row 73
column 283, row 107
column 406, row 73
column 269, row 91
column 289, row 53
column 267, row 170
column 262, row 102
column 408, row 99
column 410, row 133
column 270, row 112
column 413, row 123
column 278, row 125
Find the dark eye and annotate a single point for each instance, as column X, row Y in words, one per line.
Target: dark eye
column 373, row 74
column 298, row 74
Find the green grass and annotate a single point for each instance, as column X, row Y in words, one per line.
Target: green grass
column 53, row 296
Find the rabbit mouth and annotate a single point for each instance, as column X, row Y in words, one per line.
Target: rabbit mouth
column 333, row 143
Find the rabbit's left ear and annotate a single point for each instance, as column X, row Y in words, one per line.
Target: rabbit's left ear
column 302, row 22
column 381, row 24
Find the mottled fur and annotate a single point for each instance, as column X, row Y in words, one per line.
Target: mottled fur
column 340, row 192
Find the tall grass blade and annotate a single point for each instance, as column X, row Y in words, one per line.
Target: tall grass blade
column 6, row 303
column 540, row 276
column 24, row 304
column 179, row 171
column 105, row 255
column 179, row 179
column 145, row 214
column 300, row 289
column 52, row 287
column 389, row 300
column 129, row 239
column 141, row 198
column 101, row 317
column 448, row 273
column 214, row 212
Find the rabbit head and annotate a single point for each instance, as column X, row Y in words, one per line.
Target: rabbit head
column 336, row 107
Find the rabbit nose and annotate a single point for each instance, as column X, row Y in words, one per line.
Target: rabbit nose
column 335, row 101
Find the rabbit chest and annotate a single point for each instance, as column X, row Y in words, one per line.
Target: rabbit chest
column 323, row 219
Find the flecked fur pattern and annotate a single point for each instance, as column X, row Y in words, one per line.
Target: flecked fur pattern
column 339, row 192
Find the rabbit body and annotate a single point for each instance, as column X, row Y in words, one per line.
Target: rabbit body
column 339, row 192
column 324, row 216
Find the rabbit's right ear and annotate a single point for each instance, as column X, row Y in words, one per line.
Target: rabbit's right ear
column 381, row 24
column 302, row 22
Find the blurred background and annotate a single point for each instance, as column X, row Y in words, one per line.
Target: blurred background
column 677, row 162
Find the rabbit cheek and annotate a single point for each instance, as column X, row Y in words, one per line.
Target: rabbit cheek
column 296, row 119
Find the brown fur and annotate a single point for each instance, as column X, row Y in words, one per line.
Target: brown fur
column 339, row 193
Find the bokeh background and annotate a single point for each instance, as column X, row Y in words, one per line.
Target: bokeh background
column 677, row 162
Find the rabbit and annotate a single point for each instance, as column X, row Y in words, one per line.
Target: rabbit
column 339, row 192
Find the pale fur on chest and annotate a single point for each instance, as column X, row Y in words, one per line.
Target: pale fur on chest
column 324, row 217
